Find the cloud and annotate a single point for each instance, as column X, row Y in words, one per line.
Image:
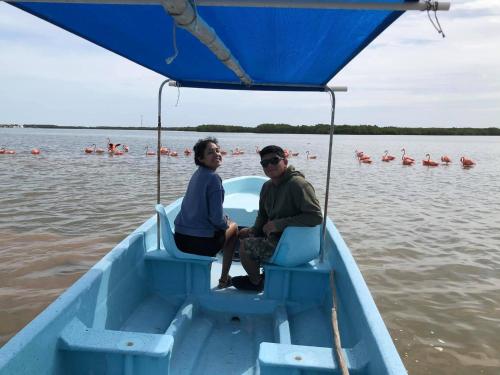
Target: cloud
column 407, row 76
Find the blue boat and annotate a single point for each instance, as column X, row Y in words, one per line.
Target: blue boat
column 143, row 310
column 148, row 308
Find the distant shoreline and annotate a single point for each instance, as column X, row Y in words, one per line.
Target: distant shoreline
column 289, row 129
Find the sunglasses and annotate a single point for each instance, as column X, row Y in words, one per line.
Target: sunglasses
column 275, row 160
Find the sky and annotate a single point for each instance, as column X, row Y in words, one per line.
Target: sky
column 409, row 76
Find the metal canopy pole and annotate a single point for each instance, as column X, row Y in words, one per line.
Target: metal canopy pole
column 331, row 90
column 158, row 164
column 299, row 4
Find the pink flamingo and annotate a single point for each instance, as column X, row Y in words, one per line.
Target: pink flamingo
column 9, row 152
column 387, row 157
column 466, row 163
column 112, row 146
column 164, row 151
column 89, row 150
column 429, row 162
column 358, row 154
column 187, row 152
column 310, row 156
column 150, row 153
column 98, row 150
column 445, row 159
column 35, row 151
column 173, row 153
column 257, row 149
column 406, row 156
column 125, row 148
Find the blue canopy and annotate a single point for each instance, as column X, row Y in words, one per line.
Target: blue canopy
column 279, row 48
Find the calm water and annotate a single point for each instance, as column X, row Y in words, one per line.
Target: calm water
column 427, row 240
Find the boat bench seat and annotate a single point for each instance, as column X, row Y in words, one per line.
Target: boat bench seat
column 293, row 272
column 119, row 349
column 284, row 359
column 307, row 282
column 170, row 275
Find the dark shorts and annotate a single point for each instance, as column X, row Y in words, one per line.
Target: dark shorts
column 260, row 249
column 208, row 246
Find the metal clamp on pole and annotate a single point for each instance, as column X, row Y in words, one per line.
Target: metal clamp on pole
column 332, row 91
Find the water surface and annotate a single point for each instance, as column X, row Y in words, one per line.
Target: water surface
column 427, row 240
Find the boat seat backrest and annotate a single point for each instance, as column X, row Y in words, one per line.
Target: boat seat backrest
column 167, row 235
column 297, row 245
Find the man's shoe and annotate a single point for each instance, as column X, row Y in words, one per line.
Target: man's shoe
column 244, row 283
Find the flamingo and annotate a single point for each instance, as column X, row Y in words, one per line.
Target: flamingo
column 2, row 150
column 406, row 157
column 364, row 157
column 89, row 150
column 187, row 152
column 9, row 152
column 118, row 152
column 173, row 153
column 125, row 148
column 310, row 156
column 387, row 157
column 35, row 151
column 112, row 146
column 445, row 159
column 98, row 150
column 429, row 162
column 257, row 149
column 358, row 154
column 164, row 151
column 150, row 153
column 466, row 163
column 366, row 161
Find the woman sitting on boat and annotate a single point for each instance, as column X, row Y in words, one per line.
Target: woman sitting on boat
column 201, row 227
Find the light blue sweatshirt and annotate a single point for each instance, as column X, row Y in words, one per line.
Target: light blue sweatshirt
column 201, row 211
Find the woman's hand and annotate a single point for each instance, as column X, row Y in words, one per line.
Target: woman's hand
column 245, row 232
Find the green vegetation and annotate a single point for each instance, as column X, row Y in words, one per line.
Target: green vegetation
column 300, row 129
column 340, row 129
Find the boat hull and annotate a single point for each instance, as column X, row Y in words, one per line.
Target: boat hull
column 140, row 311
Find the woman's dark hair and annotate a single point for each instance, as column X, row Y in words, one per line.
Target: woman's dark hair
column 200, row 146
column 272, row 149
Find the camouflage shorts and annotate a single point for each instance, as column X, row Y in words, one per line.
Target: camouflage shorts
column 259, row 248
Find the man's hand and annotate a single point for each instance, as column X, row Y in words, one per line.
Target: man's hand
column 269, row 227
column 245, row 232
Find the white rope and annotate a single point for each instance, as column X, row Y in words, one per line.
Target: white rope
column 434, row 7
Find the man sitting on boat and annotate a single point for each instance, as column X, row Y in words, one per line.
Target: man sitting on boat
column 287, row 199
column 201, row 227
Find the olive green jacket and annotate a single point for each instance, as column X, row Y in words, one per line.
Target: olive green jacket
column 292, row 202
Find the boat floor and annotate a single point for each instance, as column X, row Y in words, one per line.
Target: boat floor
column 225, row 338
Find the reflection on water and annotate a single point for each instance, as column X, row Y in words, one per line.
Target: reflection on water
column 425, row 239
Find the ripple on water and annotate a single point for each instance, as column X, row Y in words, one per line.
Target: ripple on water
column 426, row 240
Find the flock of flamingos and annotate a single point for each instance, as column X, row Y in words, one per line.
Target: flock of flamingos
column 115, row 149
column 408, row 160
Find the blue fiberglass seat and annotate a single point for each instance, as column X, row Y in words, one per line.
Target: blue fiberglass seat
column 167, row 237
column 297, row 245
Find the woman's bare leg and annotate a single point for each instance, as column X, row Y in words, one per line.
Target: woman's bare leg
column 228, row 250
